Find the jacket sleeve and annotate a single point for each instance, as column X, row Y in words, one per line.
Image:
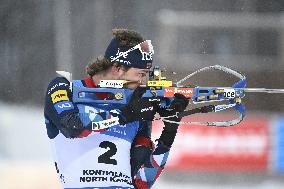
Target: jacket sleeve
column 61, row 114
column 152, row 168
column 151, row 161
column 141, row 147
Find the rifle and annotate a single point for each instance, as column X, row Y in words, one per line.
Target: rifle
column 158, row 86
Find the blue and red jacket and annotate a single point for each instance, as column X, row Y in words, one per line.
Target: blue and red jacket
column 66, row 118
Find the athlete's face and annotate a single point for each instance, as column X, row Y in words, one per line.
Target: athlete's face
column 136, row 76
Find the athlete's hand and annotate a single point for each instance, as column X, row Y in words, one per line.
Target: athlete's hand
column 179, row 104
column 139, row 108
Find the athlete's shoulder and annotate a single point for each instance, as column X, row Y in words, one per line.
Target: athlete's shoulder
column 59, row 80
column 58, row 95
column 58, row 83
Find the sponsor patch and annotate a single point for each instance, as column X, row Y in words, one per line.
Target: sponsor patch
column 112, row 83
column 56, row 86
column 229, row 93
column 62, row 106
column 161, row 83
column 170, row 91
column 59, row 95
column 105, row 124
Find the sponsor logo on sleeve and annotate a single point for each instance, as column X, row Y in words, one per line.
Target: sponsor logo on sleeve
column 59, row 95
column 56, row 86
column 62, row 106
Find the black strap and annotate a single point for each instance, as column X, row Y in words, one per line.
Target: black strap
column 204, row 109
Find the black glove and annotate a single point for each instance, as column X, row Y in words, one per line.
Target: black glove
column 139, row 108
column 207, row 109
column 204, row 109
column 179, row 104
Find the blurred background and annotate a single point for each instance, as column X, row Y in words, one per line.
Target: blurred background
column 38, row 37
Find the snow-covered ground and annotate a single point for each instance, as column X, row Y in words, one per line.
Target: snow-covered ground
column 26, row 162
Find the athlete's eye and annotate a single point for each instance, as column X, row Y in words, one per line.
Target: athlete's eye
column 142, row 74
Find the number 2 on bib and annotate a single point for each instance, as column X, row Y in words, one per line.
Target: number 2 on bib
column 106, row 157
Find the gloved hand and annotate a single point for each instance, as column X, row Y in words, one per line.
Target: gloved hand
column 207, row 109
column 139, row 108
column 179, row 104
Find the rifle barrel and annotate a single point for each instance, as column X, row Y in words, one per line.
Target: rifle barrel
column 263, row 90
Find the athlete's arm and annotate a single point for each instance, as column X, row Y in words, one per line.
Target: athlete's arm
column 142, row 147
column 60, row 112
column 154, row 163
column 144, row 168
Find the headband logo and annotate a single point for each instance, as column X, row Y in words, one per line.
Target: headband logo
column 147, row 56
column 121, row 54
column 118, row 55
column 146, row 49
